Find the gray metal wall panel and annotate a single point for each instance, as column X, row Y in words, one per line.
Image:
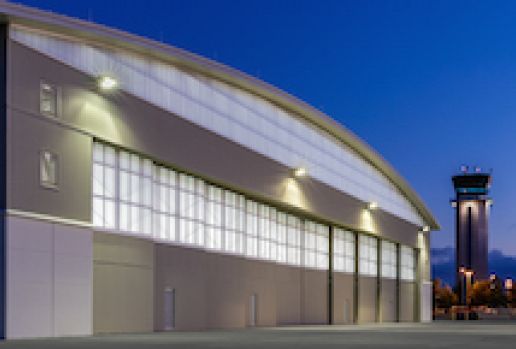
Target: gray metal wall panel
column 49, row 278
column 184, row 271
column 31, row 135
column 315, row 297
column 214, row 290
column 288, row 295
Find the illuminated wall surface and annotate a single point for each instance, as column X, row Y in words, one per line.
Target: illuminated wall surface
column 472, row 237
column 110, row 231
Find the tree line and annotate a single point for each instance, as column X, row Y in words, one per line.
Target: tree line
column 490, row 293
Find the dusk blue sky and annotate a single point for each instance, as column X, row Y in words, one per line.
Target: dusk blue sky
column 429, row 84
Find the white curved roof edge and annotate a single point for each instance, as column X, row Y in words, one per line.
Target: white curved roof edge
column 14, row 13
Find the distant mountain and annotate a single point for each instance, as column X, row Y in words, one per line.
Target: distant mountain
column 504, row 266
column 443, row 264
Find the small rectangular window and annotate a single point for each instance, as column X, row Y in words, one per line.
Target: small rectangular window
column 48, row 99
column 48, row 169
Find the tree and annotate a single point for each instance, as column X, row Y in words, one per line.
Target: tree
column 480, row 293
column 444, row 295
column 489, row 292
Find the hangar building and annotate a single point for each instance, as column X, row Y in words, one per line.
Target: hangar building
column 145, row 188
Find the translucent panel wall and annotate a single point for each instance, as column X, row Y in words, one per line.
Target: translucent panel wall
column 408, row 263
column 343, row 251
column 132, row 195
column 389, row 266
column 316, row 245
column 367, row 255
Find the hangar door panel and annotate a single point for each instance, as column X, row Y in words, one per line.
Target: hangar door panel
column 123, row 279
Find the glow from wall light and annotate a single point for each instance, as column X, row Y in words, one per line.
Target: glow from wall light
column 426, row 228
column 107, row 83
column 292, row 193
column 366, row 221
column 300, row 172
column 372, row 205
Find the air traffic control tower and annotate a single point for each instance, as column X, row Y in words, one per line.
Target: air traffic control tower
column 472, row 210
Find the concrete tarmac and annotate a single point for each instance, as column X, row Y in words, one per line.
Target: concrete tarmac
column 441, row 334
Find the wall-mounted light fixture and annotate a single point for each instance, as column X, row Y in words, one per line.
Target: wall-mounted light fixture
column 300, row 172
column 373, row 205
column 107, row 83
column 426, row 228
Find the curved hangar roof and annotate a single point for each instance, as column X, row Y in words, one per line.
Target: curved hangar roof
column 225, row 101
